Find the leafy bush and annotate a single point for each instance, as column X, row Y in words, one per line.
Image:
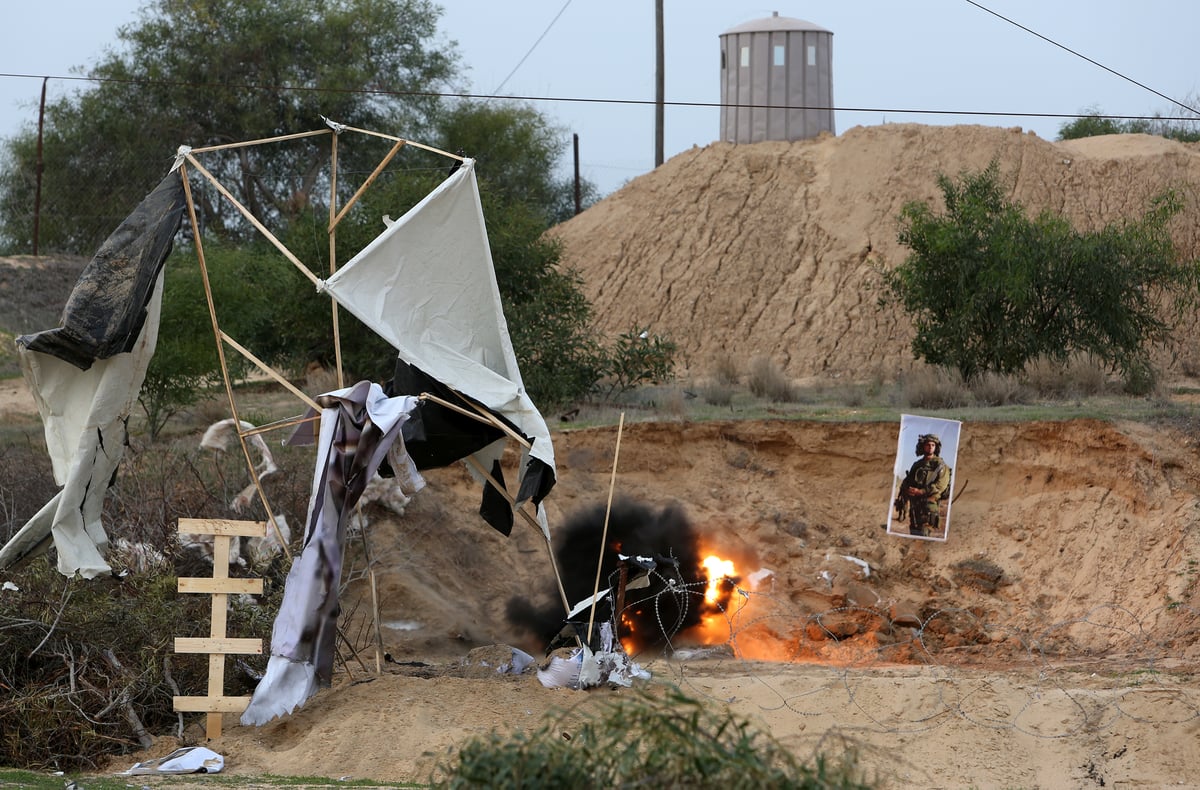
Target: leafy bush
column 643, row 742
column 638, row 357
column 1093, row 122
column 989, row 289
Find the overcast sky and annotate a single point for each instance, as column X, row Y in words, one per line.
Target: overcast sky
column 951, row 59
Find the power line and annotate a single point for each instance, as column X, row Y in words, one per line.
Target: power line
column 631, row 102
column 1084, row 57
column 525, row 57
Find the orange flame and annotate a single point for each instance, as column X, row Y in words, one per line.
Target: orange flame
column 719, row 572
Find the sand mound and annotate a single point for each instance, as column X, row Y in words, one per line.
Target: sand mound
column 773, row 248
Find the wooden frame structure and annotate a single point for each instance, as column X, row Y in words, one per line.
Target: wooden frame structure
column 188, row 160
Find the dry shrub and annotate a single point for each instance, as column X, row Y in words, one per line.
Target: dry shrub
column 675, row 401
column 725, row 368
column 1080, row 375
column 88, row 666
column 319, row 379
column 718, row 394
column 998, row 389
column 934, row 388
column 768, row 381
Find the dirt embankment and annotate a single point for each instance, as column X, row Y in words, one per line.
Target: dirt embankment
column 774, row 248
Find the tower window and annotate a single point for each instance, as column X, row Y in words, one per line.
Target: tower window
column 745, row 57
column 812, row 54
column 779, row 54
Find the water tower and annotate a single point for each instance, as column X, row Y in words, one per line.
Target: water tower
column 778, row 71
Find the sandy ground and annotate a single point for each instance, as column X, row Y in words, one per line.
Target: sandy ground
column 1051, row 641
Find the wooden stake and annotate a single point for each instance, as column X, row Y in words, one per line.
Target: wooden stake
column 481, row 415
column 406, row 142
column 253, row 220
column 333, row 305
column 473, row 462
column 334, row 221
column 604, row 536
column 378, row 629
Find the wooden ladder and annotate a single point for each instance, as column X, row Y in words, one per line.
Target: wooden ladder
column 217, row 644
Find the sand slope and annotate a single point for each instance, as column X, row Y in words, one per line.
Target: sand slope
column 773, row 248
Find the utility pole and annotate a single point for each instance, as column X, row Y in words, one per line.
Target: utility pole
column 659, row 83
column 39, row 168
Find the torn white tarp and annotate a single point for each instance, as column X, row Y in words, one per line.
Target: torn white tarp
column 84, row 413
column 86, row 374
column 585, row 669
column 217, row 437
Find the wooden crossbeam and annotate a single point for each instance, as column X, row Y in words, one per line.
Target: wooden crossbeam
column 217, row 645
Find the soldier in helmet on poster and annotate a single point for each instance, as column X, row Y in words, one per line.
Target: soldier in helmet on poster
column 924, row 487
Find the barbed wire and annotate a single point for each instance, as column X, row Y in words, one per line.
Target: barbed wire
column 1108, row 664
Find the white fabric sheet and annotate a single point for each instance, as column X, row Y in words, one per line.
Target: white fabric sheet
column 427, row 285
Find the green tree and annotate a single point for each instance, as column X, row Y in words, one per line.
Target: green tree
column 1092, row 123
column 252, row 287
column 207, row 72
column 989, row 288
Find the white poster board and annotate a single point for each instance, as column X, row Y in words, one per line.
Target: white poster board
column 923, row 477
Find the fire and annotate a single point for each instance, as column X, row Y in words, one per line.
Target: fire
column 719, row 606
column 719, row 571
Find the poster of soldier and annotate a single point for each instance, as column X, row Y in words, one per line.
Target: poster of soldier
column 923, row 477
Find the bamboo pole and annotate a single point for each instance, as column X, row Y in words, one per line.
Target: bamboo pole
column 333, row 305
column 260, row 141
column 481, row 415
column 407, row 142
column 473, row 462
column 287, row 422
column 335, row 220
column 604, row 536
column 265, row 368
column 253, row 220
column 217, row 335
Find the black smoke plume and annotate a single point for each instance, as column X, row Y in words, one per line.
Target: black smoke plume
column 652, row 615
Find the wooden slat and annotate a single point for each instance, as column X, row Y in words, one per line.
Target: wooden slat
column 222, row 526
column 190, row 584
column 210, row 704
column 227, row 645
